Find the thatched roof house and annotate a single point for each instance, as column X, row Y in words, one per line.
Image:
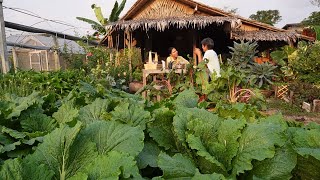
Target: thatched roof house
column 158, row 24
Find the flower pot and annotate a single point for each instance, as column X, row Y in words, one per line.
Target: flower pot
column 135, row 86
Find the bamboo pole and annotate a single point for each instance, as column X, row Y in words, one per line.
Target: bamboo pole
column 3, row 43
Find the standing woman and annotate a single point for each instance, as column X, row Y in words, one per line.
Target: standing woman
column 175, row 58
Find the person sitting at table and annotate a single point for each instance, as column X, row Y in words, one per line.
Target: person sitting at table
column 175, row 58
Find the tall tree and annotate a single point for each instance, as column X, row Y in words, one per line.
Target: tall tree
column 99, row 26
column 312, row 20
column 271, row 17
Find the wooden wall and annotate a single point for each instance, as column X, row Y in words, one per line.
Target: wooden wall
column 163, row 9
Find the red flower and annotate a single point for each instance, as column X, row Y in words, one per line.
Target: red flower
column 89, row 54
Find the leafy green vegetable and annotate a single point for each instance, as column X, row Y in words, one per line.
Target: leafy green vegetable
column 36, row 121
column 183, row 115
column 278, row 167
column 256, row 143
column 307, row 142
column 214, row 176
column 21, row 170
column 111, row 166
column 114, row 136
column 161, row 129
column 94, row 112
column 148, row 155
column 66, row 113
column 187, row 98
column 63, row 152
column 132, row 114
column 19, row 104
column 178, row 166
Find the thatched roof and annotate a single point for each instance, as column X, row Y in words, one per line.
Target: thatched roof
column 212, row 11
column 196, row 22
column 265, row 35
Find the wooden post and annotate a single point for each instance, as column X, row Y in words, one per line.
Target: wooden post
column 3, row 43
column 15, row 60
column 194, row 34
column 56, row 53
column 47, row 62
column 30, row 60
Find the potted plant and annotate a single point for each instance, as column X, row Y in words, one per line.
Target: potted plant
column 136, row 84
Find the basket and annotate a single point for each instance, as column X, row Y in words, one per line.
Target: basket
column 150, row 66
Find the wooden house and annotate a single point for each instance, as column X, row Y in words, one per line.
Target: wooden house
column 156, row 25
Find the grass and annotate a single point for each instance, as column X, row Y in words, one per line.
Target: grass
column 291, row 111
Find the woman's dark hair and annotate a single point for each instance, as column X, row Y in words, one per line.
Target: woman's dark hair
column 170, row 50
column 208, row 42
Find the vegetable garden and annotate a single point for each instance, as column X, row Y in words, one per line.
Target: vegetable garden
column 82, row 125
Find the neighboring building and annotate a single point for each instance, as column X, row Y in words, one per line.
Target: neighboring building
column 301, row 29
column 296, row 27
column 156, row 25
column 46, row 59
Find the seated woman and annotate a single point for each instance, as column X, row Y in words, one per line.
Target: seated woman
column 175, row 58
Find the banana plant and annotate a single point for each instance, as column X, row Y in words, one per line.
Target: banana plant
column 99, row 26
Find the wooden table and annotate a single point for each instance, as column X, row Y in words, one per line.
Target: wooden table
column 154, row 72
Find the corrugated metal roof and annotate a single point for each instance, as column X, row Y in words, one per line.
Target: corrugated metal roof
column 48, row 41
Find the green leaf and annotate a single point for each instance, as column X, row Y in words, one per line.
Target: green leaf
column 79, row 176
column 120, row 9
column 114, row 165
column 256, row 143
column 94, row 112
column 21, row 170
column 99, row 15
column 196, row 144
column 187, row 98
column 278, row 167
column 66, row 113
column 64, row 152
column 13, row 133
column 11, row 147
column 161, row 128
column 132, row 114
column 32, row 171
column 148, row 155
column 178, row 166
column 11, row 169
column 113, row 15
column 37, row 122
column 307, row 168
column 227, row 144
column 183, row 115
column 214, row 176
column 218, row 144
column 114, row 136
column 307, row 142
column 22, row 103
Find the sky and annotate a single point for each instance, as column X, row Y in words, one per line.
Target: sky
column 292, row 11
